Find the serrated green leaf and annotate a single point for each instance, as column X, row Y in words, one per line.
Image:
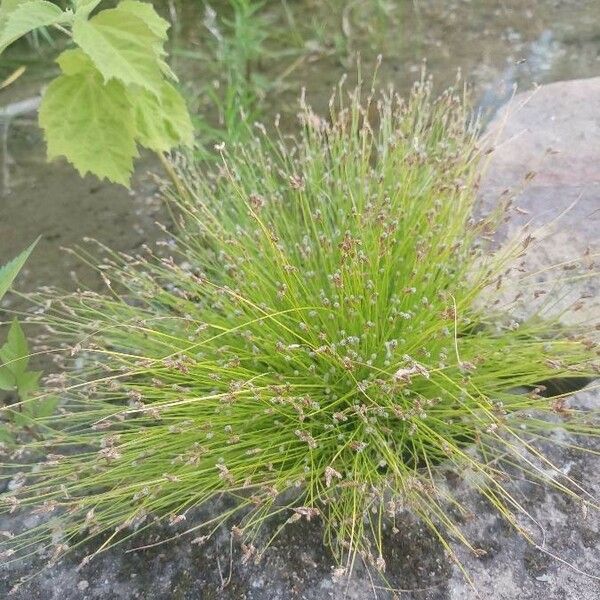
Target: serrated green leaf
column 27, row 383
column 166, row 69
column 89, row 122
column 6, row 437
column 157, row 24
column 148, row 14
column 15, row 352
column 122, row 47
column 45, row 407
column 7, row 379
column 162, row 121
column 6, row 7
column 84, row 7
column 10, row 270
column 74, row 62
column 24, row 17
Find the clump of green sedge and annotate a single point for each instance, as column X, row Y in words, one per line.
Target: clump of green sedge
column 322, row 344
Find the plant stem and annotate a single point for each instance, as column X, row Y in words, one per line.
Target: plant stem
column 175, row 179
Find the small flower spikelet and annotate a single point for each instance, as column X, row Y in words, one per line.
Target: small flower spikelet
column 319, row 343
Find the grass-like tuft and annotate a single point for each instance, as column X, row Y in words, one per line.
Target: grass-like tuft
column 322, row 345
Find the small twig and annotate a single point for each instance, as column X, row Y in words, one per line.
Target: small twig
column 13, row 77
column 220, row 573
column 228, row 581
column 62, row 29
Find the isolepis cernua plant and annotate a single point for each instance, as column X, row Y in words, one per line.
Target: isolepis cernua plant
column 318, row 341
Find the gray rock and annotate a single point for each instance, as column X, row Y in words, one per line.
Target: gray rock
column 565, row 564
column 297, row 566
column 554, row 133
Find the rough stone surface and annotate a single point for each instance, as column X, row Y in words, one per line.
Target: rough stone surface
column 553, row 134
column 566, row 118
column 569, row 537
column 297, row 566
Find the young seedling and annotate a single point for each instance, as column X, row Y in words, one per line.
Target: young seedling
column 14, row 360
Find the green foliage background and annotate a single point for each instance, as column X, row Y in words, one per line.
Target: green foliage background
column 115, row 90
